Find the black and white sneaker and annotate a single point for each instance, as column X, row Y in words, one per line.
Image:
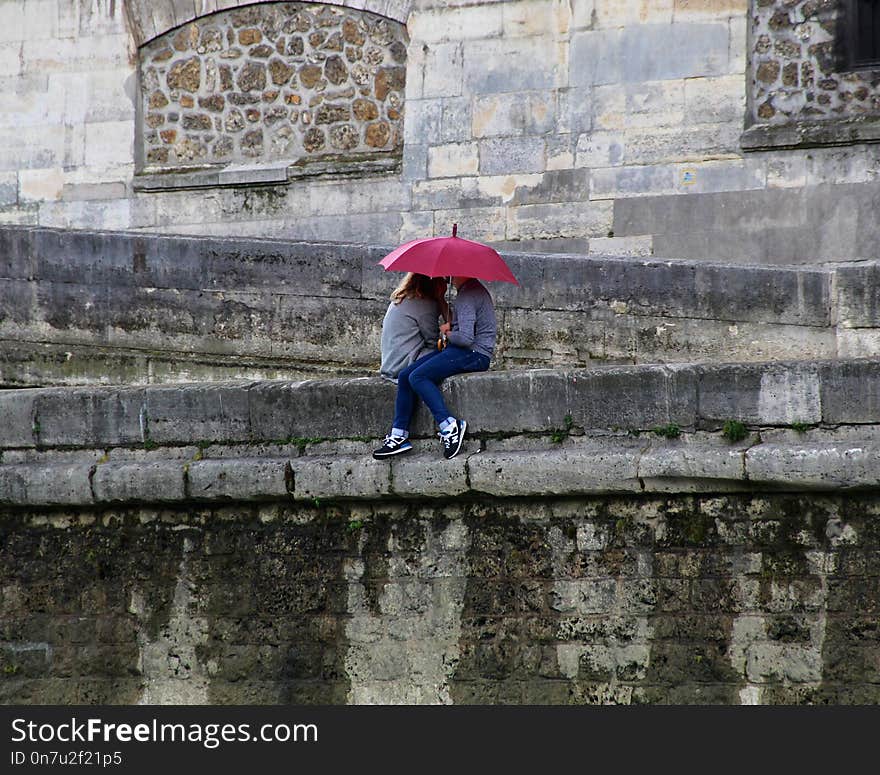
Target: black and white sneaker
column 453, row 439
column 393, row 445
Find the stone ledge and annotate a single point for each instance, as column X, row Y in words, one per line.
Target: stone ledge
column 261, row 174
column 585, row 467
column 809, row 134
column 592, row 401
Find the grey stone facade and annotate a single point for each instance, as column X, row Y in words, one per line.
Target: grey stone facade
column 205, row 544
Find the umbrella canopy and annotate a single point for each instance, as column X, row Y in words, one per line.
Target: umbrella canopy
column 449, row 257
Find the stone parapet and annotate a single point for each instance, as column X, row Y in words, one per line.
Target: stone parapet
column 82, row 307
column 684, row 428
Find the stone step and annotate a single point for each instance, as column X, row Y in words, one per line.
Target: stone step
column 495, row 403
column 682, row 428
column 85, row 307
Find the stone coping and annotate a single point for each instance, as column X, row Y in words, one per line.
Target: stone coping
column 590, row 401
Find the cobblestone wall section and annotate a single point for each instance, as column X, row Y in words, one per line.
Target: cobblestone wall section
column 796, row 67
column 275, row 81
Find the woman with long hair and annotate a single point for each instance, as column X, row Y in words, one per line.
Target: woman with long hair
column 411, row 326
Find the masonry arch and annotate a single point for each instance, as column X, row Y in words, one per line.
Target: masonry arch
column 148, row 19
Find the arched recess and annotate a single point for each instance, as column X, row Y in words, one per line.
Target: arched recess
column 269, row 91
column 149, row 19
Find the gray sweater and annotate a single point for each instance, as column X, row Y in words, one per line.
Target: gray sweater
column 473, row 321
column 409, row 331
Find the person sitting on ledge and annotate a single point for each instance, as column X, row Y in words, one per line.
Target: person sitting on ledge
column 470, row 342
column 410, row 328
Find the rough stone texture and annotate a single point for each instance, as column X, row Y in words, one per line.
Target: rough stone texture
column 798, row 66
column 160, row 308
column 283, row 60
column 695, row 599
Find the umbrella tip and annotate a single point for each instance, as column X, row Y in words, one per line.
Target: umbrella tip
column 454, row 229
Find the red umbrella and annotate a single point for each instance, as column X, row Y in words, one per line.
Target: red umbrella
column 449, row 257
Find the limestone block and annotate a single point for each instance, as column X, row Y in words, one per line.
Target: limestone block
column 850, row 391
column 453, row 160
column 512, row 154
column 601, row 149
column 516, row 64
column 542, row 221
column 12, row 14
column 632, row 54
column 240, row 479
column 41, row 147
column 442, row 71
column 628, row 12
column 10, row 64
column 423, row 122
column 18, row 413
column 767, row 394
column 629, row 181
column 597, row 468
column 857, row 297
column 197, row 413
column 537, row 17
column 139, row 482
column 321, row 409
column 40, row 184
column 483, row 224
column 456, row 119
column 109, row 143
column 656, row 103
column 431, row 475
column 339, row 477
column 514, row 113
column 94, row 418
column 453, row 24
column 832, row 466
column 621, row 246
column 45, row 485
column 677, row 466
column 715, row 100
column 8, row 188
column 582, row 13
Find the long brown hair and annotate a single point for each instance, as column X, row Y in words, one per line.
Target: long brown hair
column 414, row 285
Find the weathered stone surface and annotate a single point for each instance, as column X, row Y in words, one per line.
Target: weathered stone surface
column 605, row 468
column 197, row 413
column 260, row 54
column 45, row 485
column 823, row 466
column 139, row 482
column 339, row 477
column 239, row 479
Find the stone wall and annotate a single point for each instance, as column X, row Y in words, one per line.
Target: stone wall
column 515, row 128
column 107, row 307
column 176, row 545
column 283, row 81
column 798, row 69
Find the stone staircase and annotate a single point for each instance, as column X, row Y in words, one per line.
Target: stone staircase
column 87, row 308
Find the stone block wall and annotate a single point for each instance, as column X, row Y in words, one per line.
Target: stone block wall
column 80, row 307
column 592, row 126
column 797, row 69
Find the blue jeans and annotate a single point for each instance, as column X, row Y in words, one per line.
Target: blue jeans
column 423, row 377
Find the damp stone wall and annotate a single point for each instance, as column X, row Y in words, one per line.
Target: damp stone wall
column 684, row 599
column 275, row 81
